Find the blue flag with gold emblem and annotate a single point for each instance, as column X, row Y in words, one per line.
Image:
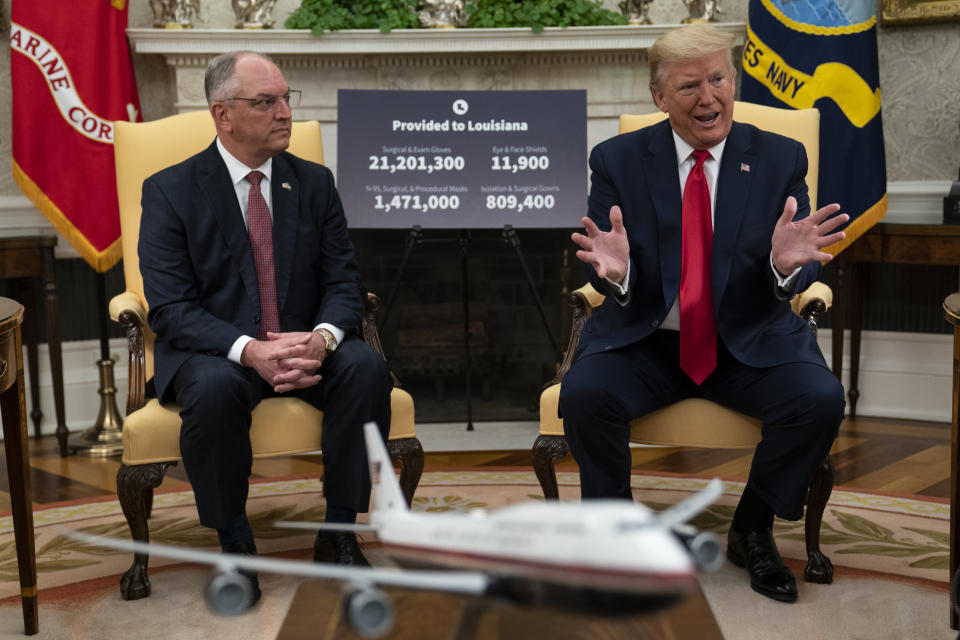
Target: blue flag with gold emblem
column 823, row 53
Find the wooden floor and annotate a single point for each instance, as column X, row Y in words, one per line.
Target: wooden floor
column 894, row 456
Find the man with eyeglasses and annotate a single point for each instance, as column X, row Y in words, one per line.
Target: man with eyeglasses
column 254, row 292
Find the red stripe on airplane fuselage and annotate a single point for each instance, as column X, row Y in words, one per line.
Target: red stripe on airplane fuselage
column 600, row 577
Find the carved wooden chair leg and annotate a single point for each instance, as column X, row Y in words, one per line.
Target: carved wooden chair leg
column 148, row 501
column 819, row 568
column 148, row 493
column 546, row 451
column 135, row 486
column 407, row 453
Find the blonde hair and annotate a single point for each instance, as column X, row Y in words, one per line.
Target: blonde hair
column 685, row 43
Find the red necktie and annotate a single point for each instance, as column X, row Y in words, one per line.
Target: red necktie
column 698, row 329
column 261, row 241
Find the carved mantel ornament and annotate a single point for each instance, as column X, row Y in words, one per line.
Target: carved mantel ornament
column 253, row 14
column 175, row 14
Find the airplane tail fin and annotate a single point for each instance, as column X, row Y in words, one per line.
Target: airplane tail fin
column 387, row 495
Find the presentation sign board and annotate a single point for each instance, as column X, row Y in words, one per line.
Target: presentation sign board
column 462, row 159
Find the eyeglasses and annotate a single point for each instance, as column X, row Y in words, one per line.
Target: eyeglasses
column 266, row 102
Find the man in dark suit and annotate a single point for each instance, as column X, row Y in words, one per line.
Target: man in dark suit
column 699, row 231
column 245, row 315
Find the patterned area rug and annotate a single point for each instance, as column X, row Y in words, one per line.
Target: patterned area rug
column 891, row 555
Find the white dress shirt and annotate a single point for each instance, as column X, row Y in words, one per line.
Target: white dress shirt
column 238, row 174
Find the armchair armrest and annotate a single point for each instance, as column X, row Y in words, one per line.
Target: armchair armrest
column 369, row 322
column 127, row 301
column 809, row 304
column 129, row 313
column 582, row 301
column 370, row 333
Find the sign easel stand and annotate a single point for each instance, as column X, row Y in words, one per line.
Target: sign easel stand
column 510, row 238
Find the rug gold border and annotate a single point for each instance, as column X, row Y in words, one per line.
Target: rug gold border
column 928, row 506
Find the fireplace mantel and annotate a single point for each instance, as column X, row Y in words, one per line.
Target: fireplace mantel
column 404, row 41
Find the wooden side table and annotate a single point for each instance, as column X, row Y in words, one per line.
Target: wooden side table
column 951, row 309
column 885, row 242
column 15, row 441
column 430, row 615
column 31, row 257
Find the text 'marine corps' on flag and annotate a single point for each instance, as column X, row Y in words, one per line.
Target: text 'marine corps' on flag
column 72, row 78
column 823, row 53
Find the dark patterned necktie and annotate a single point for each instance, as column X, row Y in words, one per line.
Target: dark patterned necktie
column 261, row 241
column 698, row 328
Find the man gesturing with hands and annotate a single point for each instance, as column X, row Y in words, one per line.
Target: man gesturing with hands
column 699, row 232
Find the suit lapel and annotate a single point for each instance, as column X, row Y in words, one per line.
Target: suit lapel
column 663, row 182
column 215, row 182
column 285, row 191
column 733, row 189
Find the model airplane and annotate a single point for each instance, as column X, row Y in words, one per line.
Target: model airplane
column 601, row 556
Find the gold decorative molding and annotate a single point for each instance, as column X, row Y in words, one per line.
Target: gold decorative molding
column 912, row 11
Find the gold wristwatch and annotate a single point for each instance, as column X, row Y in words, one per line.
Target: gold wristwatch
column 328, row 337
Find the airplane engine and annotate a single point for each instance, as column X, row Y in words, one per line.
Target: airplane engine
column 368, row 610
column 228, row 593
column 706, row 551
column 703, row 546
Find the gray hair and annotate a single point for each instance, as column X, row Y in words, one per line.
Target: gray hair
column 686, row 43
column 220, row 79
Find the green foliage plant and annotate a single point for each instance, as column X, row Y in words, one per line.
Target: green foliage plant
column 538, row 14
column 332, row 15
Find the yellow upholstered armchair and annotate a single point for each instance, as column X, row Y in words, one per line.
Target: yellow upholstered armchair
column 695, row 422
column 151, row 431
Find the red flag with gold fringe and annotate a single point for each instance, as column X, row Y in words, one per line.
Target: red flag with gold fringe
column 72, row 78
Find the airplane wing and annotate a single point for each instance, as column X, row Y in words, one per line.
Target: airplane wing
column 467, row 582
column 686, row 509
column 322, row 526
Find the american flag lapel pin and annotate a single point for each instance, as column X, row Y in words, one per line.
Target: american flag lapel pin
column 286, row 185
column 744, row 167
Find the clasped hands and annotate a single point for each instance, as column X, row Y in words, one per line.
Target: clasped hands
column 287, row 361
column 794, row 243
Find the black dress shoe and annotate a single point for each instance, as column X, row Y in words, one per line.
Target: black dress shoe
column 246, row 549
column 338, row 547
column 757, row 552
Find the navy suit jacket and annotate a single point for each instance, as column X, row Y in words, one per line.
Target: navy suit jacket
column 758, row 170
column 198, row 270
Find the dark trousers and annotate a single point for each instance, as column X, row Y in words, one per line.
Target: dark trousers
column 216, row 397
column 800, row 404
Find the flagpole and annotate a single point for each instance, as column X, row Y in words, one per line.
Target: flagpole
column 104, row 438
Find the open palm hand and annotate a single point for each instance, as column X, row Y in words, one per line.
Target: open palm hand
column 607, row 251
